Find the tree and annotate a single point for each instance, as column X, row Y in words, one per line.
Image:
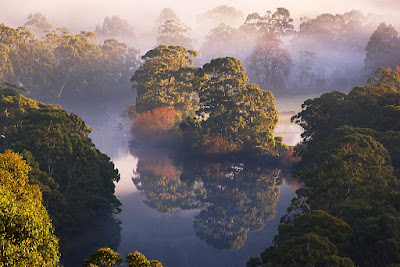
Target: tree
column 269, row 64
column 79, row 177
column 349, row 171
column 174, row 32
column 346, row 30
column 103, row 257
column 166, row 79
column 37, row 23
column 221, row 15
column 157, row 123
column 241, row 113
column 166, row 14
column 27, row 237
column 306, row 69
column 137, row 259
column 383, row 49
column 116, row 28
column 279, row 23
column 66, row 67
column 222, row 40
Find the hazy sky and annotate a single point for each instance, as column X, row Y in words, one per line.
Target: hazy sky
column 87, row 13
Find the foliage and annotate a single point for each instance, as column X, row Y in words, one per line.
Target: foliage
column 174, row 32
column 221, row 41
column 227, row 109
column 65, row 67
column 137, row 259
column 279, row 23
column 156, row 124
column 330, row 31
column 116, row 28
column 27, row 237
column 167, row 14
column 348, row 172
column 382, row 49
column 166, row 79
column 103, row 257
column 77, row 180
column 38, row 24
column 240, row 113
column 221, row 15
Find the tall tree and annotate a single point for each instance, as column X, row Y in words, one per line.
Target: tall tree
column 383, row 49
column 38, row 24
column 221, row 41
column 269, row 64
column 279, row 23
column 166, row 79
column 116, row 28
column 222, row 14
column 174, row 32
column 241, row 113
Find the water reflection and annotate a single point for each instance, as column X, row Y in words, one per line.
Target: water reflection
column 233, row 198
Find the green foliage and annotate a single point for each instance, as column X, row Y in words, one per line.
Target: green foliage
column 77, row 180
column 349, row 159
column 240, row 113
column 137, row 259
column 231, row 115
column 26, row 232
column 103, row 257
column 312, row 239
column 63, row 66
column 166, row 79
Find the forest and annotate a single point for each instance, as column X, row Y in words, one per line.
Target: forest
column 197, row 104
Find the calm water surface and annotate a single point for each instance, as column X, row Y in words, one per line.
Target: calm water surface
column 194, row 214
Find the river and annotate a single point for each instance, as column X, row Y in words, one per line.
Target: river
column 191, row 214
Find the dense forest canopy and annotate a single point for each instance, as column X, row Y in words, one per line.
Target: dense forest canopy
column 350, row 168
column 63, row 67
column 76, row 179
column 27, row 234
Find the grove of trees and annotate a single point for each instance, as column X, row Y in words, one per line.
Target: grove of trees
column 218, row 106
column 347, row 213
column 76, row 179
column 63, row 67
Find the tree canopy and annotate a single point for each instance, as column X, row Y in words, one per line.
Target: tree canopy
column 26, row 234
column 77, row 179
column 350, row 170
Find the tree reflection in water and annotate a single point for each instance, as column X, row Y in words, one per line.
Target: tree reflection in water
column 234, row 198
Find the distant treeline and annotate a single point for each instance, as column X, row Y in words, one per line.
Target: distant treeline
column 323, row 53
column 62, row 67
